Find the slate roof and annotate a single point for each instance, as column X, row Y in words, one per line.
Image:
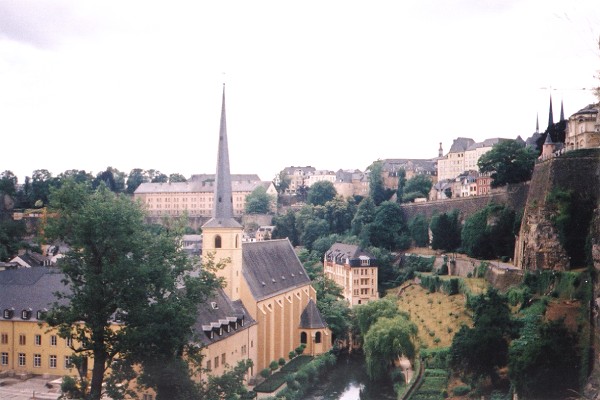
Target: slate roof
column 311, row 317
column 235, row 178
column 339, row 252
column 29, row 288
column 196, row 187
column 417, row 165
column 271, row 267
column 461, row 144
column 219, row 312
column 589, row 109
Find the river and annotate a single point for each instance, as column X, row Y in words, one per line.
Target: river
column 348, row 380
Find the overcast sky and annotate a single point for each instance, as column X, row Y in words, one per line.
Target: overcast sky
column 331, row 84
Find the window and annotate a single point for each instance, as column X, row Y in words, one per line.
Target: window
column 208, row 365
column 217, row 362
column 318, row 337
column 53, row 340
column 37, row 340
column 68, row 362
column 52, row 361
column 4, row 338
column 22, row 359
column 8, row 313
column 4, row 359
column 303, row 337
column 223, row 359
column 26, row 314
column 37, row 360
column 69, row 342
column 244, row 350
column 22, row 340
column 217, row 242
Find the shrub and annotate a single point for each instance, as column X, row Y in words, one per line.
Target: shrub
column 461, row 390
column 274, row 365
column 282, row 361
column 265, row 373
column 300, row 349
column 291, row 354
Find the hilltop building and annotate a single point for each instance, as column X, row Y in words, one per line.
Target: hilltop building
column 584, row 128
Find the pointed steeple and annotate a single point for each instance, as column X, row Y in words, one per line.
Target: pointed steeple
column 562, row 112
column 537, row 123
column 550, row 116
column 223, row 198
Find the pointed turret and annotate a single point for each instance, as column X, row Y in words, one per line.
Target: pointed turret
column 550, row 115
column 562, row 112
column 223, row 198
column 222, row 234
column 440, row 151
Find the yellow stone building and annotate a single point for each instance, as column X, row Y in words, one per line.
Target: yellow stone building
column 354, row 270
column 266, row 276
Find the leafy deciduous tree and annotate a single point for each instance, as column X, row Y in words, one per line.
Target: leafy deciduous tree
column 320, row 193
column 508, row 162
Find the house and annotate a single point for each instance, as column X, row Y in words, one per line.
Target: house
column 319, row 176
column 264, row 232
column 298, row 177
column 353, row 269
column 463, row 156
column 350, row 183
column 411, row 167
column 583, row 128
column 30, row 259
column 27, row 345
column 266, row 276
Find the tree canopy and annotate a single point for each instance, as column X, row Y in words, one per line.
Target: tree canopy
column 122, row 303
column 258, row 202
column 508, row 162
column 320, row 193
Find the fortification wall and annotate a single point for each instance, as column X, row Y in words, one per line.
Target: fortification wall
column 514, row 196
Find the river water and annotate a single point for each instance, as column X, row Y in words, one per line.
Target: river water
column 348, row 380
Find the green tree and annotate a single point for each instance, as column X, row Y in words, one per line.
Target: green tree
column 364, row 215
column 445, row 231
column 389, row 229
column 368, row 314
column 320, row 193
column 135, row 178
column 112, row 178
column 548, row 365
column 386, row 341
column 401, row 185
column 229, row 385
column 8, row 183
column 258, row 202
column 508, row 162
column 41, row 182
column 11, row 237
column 376, row 187
column 474, row 236
column 419, row 230
column 417, row 186
column 122, row 271
column 314, row 229
column 339, row 214
column 176, row 177
column 481, row 350
column 333, row 307
column 285, row 227
column 282, row 182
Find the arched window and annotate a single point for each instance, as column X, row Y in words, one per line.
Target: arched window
column 217, row 242
column 237, row 238
column 303, row 337
column 318, row 337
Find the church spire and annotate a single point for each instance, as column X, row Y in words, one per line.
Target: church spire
column 562, row 111
column 223, row 198
column 550, row 116
column 537, row 123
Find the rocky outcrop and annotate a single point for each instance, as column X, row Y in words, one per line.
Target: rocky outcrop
column 538, row 245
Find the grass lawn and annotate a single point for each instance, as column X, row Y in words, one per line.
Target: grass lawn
column 437, row 315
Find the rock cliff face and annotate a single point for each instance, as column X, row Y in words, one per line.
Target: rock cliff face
column 538, row 245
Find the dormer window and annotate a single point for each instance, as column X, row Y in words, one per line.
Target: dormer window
column 214, row 305
column 212, row 334
column 228, row 328
column 220, row 331
column 8, row 313
column 26, row 314
column 41, row 314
